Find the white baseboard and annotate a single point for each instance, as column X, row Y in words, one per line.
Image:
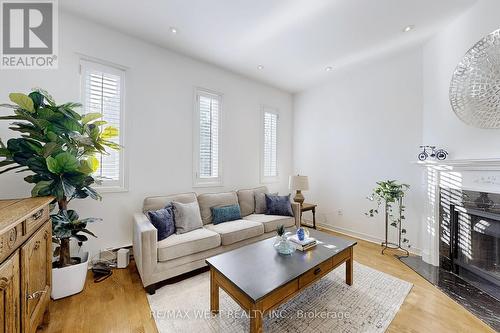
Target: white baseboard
column 363, row 236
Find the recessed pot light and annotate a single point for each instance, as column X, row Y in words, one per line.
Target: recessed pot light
column 329, row 68
column 260, row 67
column 173, row 30
column 408, row 28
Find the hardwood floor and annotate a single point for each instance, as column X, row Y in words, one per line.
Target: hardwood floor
column 119, row 303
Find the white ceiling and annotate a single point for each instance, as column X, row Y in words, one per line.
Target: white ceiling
column 295, row 40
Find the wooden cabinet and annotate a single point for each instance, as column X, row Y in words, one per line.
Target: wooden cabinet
column 9, row 294
column 36, row 277
column 26, row 263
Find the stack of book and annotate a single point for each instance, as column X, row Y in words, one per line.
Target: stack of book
column 303, row 245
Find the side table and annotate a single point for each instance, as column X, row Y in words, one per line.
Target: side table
column 306, row 207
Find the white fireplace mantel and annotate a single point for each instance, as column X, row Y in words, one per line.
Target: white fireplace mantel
column 481, row 175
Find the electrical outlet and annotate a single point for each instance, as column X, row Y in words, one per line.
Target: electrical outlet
column 340, row 212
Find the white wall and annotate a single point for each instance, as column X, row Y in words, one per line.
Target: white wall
column 441, row 55
column 363, row 126
column 441, row 127
column 159, row 106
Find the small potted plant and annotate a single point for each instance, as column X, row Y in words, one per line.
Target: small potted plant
column 390, row 194
column 281, row 243
column 58, row 146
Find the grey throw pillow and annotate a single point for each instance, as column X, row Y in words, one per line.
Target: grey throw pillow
column 260, row 202
column 186, row 216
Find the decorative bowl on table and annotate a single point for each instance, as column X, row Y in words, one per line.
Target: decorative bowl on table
column 283, row 246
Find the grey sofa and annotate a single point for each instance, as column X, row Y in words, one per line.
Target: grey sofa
column 160, row 260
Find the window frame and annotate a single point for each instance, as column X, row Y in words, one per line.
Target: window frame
column 263, row 178
column 109, row 186
column 198, row 181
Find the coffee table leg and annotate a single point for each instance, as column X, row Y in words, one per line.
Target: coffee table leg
column 256, row 318
column 349, row 268
column 214, row 293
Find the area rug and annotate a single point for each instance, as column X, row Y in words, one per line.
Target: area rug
column 329, row 305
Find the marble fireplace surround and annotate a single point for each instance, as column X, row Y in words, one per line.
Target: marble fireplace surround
column 482, row 175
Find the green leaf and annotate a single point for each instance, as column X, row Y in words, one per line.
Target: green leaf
column 41, row 187
column 37, row 98
column 87, row 231
column 90, row 117
column 68, row 188
column 23, row 101
column 52, row 165
column 89, row 166
column 80, row 238
column 49, row 148
column 63, row 162
column 109, row 132
column 99, row 122
column 52, row 136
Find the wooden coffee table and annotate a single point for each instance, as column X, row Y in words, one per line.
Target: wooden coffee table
column 259, row 279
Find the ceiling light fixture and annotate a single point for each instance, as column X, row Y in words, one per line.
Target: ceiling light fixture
column 329, row 69
column 408, row 28
column 260, row 67
column 173, row 30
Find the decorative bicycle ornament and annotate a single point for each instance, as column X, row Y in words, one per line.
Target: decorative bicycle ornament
column 431, row 151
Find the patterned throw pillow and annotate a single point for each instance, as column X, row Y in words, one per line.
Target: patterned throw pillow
column 187, row 216
column 225, row 214
column 260, row 202
column 278, row 205
column 163, row 221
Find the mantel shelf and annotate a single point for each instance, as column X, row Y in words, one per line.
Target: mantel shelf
column 475, row 163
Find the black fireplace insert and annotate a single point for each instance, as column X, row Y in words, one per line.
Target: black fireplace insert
column 470, row 237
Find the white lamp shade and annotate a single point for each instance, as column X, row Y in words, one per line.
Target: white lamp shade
column 298, row 183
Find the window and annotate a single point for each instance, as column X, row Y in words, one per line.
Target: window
column 269, row 162
column 102, row 92
column 207, row 167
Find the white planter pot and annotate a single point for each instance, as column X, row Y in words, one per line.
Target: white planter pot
column 69, row 280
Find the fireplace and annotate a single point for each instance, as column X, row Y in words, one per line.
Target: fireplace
column 469, row 243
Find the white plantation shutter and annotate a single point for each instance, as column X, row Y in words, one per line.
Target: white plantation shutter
column 207, row 157
column 102, row 89
column 270, row 145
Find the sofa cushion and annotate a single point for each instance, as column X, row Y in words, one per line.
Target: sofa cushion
column 209, row 200
column 186, row 217
column 235, row 231
column 155, row 203
column 271, row 222
column 247, row 201
column 195, row 241
column 163, row 220
column 225, row 214
column 278, row 205
column 260, row 202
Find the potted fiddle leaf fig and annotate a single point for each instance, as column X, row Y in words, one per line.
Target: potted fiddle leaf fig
column 58, row 147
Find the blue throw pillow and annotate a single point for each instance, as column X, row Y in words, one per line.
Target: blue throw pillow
column 163, row 221
column 278, row 205
column 226, row 213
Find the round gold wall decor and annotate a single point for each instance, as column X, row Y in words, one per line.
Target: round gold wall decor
column 475, row 85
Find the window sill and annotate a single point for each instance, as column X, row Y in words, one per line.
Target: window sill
column 110, row 189
column 207, row 184
column 270, row 180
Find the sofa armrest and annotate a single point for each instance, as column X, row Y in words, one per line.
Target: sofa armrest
column 296, row 213
column 145, row 246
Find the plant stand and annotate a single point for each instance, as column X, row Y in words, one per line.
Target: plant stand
column 389, row 245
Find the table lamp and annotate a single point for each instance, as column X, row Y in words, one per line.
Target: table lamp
column 299, row 184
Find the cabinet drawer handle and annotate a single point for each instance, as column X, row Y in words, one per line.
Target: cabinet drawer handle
column 37, row 215
column 317, row 271
column 35, row 295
